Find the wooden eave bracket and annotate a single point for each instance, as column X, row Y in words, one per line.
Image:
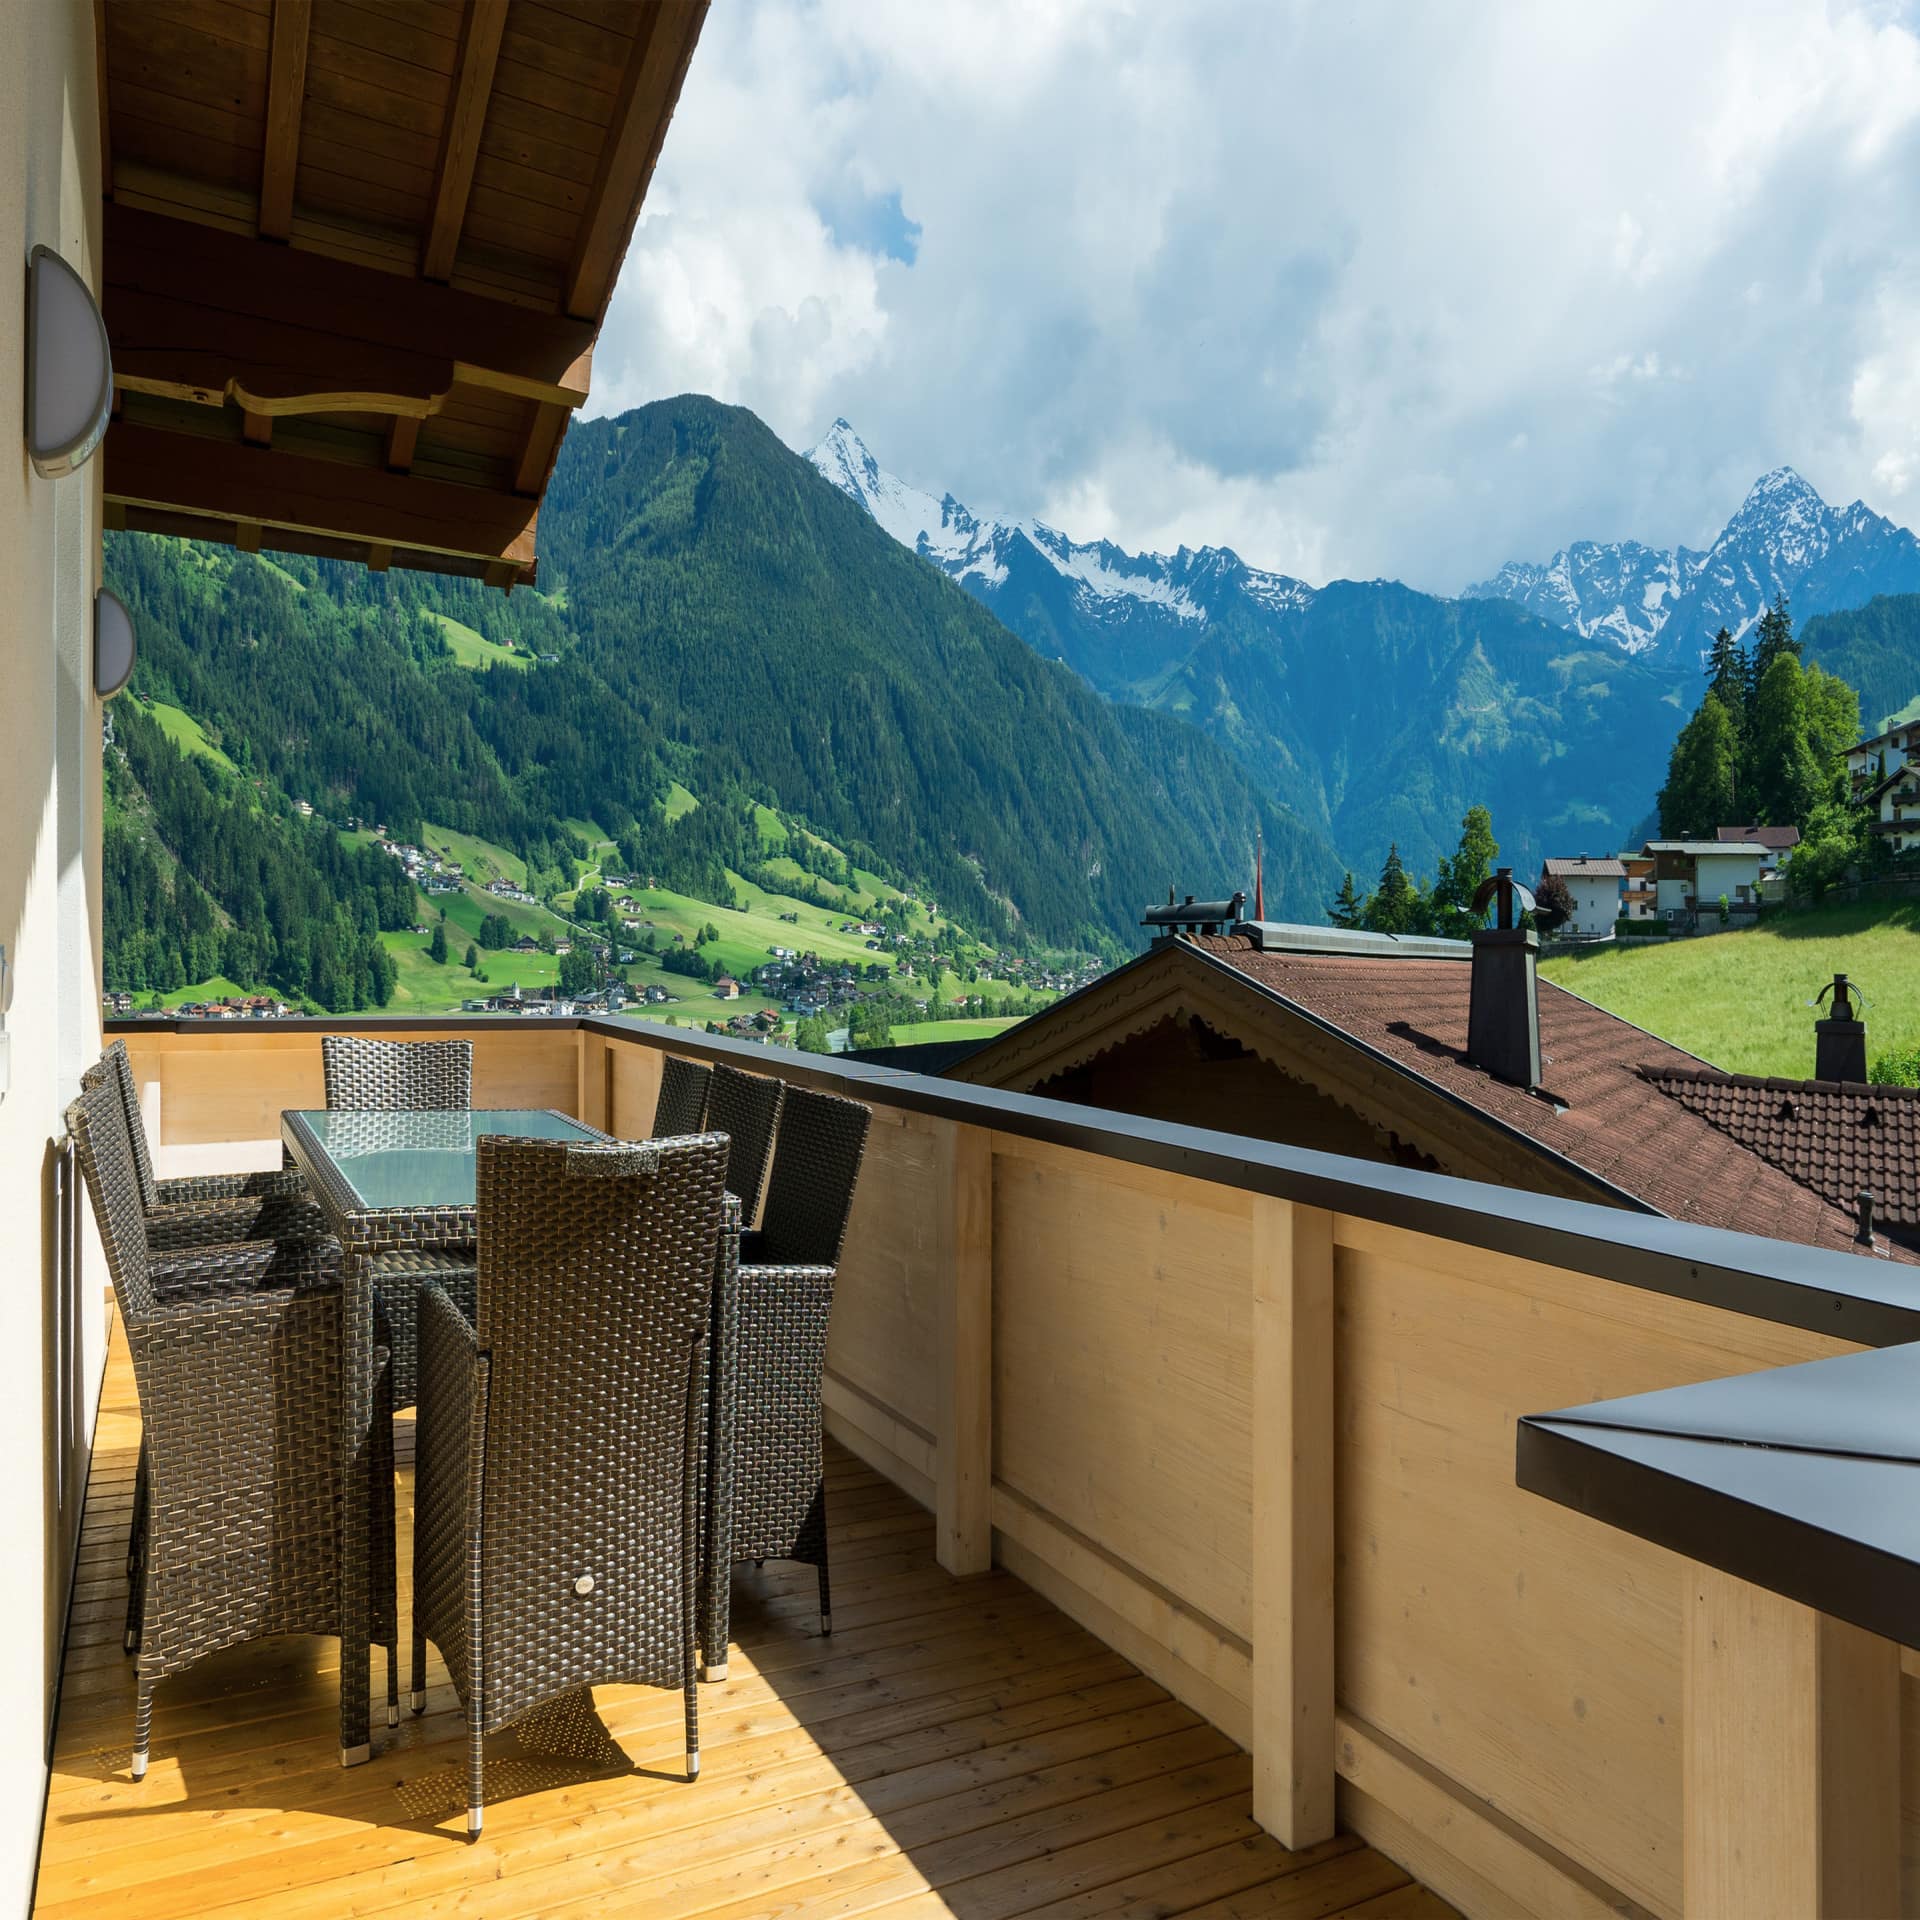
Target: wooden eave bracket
column 201, row 315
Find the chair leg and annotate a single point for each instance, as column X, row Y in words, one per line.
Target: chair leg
column 417, row 1690
column 136, row 1603
column 476, row 1771
column 826, row 1597
column 691, row 1693
column 142, row 1726
column 393, row 1682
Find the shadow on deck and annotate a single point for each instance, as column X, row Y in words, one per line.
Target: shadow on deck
column 957, row 1747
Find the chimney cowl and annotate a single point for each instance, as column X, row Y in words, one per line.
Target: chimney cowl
column 1503, row 1005
column 1840, row 1039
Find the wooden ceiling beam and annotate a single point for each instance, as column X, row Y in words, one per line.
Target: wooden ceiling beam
column 663, row 43
column 223, row 483
column 480, row 34
column 542, row 448
column 286, row 95
column 199, row 314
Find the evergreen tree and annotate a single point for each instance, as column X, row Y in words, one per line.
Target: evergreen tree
column 1771, row 638
column 1788, row 779
column 1728, row 673
column 437, row 946
column 1460, row 876
column 1349, row 908
column 578, row 971
column 472, row 961
column 1702, row 775
column 1396, row 905
column 496, row 931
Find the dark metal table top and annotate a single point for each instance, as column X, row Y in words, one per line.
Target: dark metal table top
column 1804, row 1480
column 407, row 1178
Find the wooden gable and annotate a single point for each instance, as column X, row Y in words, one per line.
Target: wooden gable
column 357, row 255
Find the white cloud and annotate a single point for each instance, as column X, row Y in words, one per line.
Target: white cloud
column 1400, row 290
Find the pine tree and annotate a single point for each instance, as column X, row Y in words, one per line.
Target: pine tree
column 1349, row 907
column 1728, row 673
column 472, row 961
column 1396, row 905
column 437, row 946
column 1771, row 638
column 1702, row 774
column 1788, row 779
column 1459, row 878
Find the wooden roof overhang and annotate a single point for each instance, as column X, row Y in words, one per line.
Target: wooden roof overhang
column 357, row 253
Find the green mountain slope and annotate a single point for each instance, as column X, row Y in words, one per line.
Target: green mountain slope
column 718, row 623
column 713, row 579
column 1875, row 648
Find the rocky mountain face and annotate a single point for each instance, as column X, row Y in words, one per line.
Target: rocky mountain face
column 1667, row 603
column 1374, row 712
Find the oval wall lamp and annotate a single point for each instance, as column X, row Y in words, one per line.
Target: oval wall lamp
column 113, row 644
column 69, row 367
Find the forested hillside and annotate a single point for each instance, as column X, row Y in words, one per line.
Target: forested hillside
column 713, row 615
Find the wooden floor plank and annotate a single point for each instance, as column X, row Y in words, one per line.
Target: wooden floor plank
column 956, row 1748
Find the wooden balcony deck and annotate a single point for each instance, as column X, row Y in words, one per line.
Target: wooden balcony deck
column 957, row 1747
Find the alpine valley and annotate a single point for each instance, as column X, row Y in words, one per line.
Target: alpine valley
column 1550, row 693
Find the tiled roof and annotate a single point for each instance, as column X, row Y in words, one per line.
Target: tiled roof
column 1586, row 869
column 1774, row 839
column 1598, row 1110
column 1832, row 1137
column 1701, row 846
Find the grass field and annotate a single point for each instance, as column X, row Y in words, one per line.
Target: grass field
column 473, row 650
column 187, row 734
column 918, row 1032
column 1740, row 1000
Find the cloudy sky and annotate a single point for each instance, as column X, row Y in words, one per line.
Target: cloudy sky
column 1401, row 289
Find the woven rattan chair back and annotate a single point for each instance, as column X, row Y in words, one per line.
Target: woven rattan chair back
column 119, row 1068
column 413, row 1075
column 236, row 1357
column 561, row 1440
column 97, row 1122
column 816, row 1162
column 746, row 1108
column 682, row 1105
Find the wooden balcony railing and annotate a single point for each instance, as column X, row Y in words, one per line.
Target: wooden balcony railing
column 1248, row 1413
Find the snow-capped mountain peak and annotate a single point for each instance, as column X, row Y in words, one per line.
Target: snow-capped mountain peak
column 1102, row 580
column 1783, row 538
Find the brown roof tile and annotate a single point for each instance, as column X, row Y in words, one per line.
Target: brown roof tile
column 1835, row 1138
column 1608, row 1112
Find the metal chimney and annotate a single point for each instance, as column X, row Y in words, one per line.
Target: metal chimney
column 1503, row 1010
column 1840, row 1040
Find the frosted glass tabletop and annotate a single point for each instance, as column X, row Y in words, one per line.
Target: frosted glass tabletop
column 420, row 1159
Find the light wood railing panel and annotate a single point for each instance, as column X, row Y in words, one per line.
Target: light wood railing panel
column 1123, row 1356
column 884, row 1338
column 1524, row 1651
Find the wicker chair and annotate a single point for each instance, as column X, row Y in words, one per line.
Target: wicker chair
column 682, row 1105
column 237, row 1362
column 561, row 1442
column 410, row 1076
column 205, row 1209
column 746, row 1108
column 774, row 1469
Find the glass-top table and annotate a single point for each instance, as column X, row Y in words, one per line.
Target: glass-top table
column 412, row 1161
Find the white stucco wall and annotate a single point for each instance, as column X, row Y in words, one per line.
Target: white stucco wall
column 52, row 1326
column 1596, row 903
column 1727, row 873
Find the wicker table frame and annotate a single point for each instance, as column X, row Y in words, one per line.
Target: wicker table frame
column 362, row 1232
column 365, row 1232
